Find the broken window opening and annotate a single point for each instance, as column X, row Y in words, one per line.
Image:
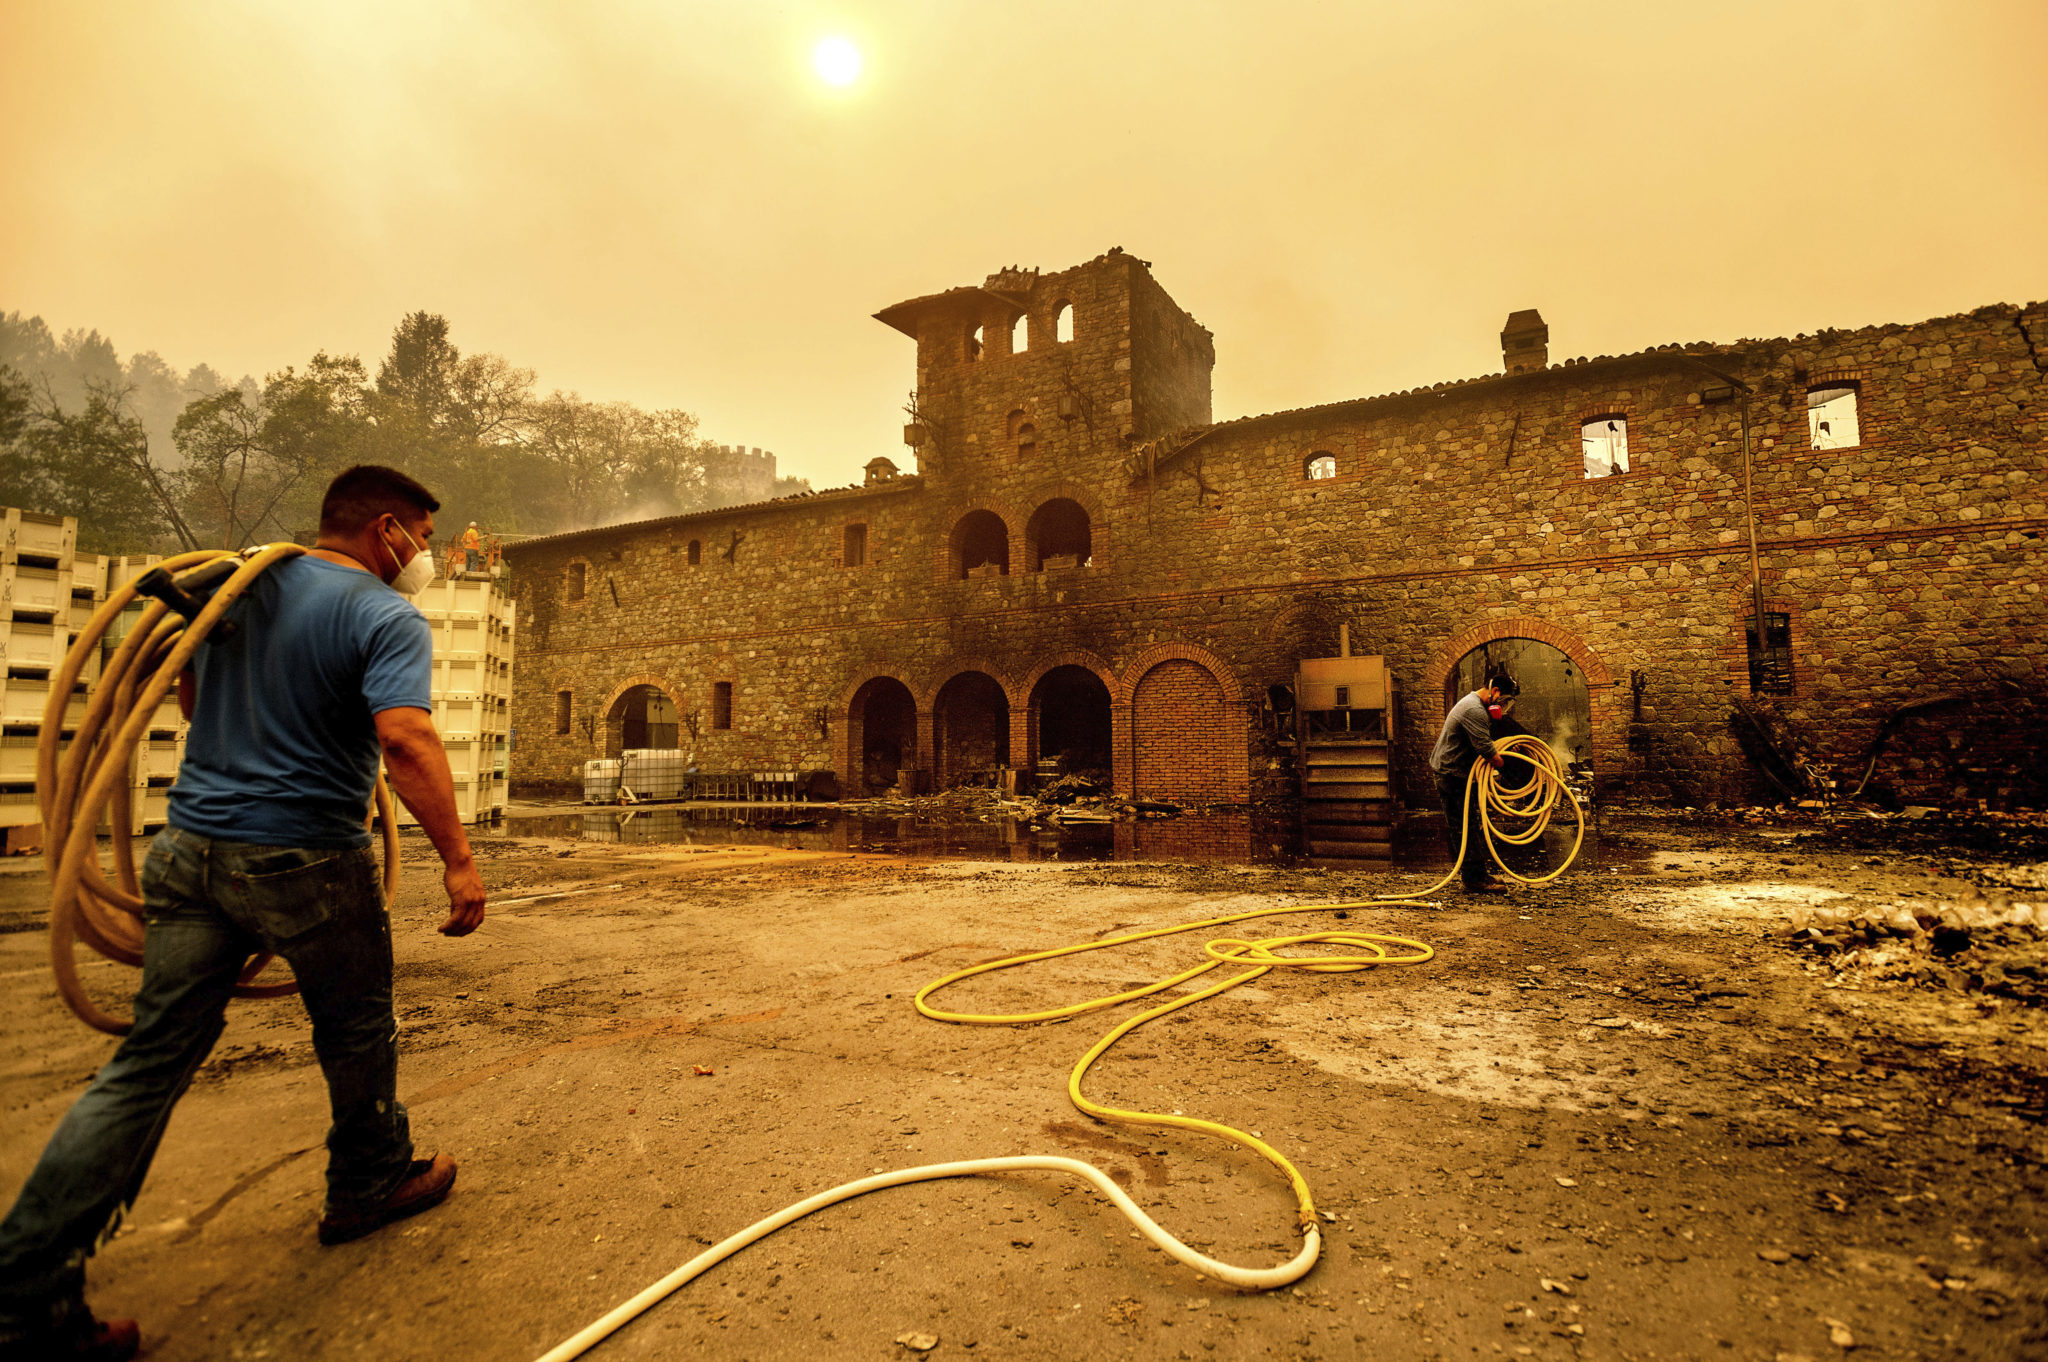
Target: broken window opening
column 981, row 546
column 1831, row 417
column 1020, row 336
column 578, row 580
column 1063, row 323
column 721, row 704
column 1603, row 442
column 564, row 702
column 855, row 551
column 1320, row 465
column 1058, row 536
column 1027, row 438
column 974, row 344
column 1770, row 668
column 696, row 553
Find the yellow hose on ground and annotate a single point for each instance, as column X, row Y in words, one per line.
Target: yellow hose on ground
column 85, row 778
column 1533, row 800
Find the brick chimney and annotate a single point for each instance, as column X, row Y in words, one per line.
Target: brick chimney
column 1525, row 342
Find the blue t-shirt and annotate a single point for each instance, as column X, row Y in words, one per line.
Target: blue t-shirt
column 283, row 747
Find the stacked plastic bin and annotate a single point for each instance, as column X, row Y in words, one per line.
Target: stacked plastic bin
column 163, row 745
column 47, row 592
column 472, row 620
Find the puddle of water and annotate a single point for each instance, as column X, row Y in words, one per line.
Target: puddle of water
column 1221, row 838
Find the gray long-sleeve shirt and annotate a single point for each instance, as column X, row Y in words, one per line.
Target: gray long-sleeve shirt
column 1468, row 733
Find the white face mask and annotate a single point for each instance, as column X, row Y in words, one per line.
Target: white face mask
column 412, row 579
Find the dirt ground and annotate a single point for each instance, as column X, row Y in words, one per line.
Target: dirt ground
column 1623, row 1117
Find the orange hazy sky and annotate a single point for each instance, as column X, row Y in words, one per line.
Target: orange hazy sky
column 662, row 202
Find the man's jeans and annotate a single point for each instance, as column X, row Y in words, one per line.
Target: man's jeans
column 209, row 906
column 1478, row 867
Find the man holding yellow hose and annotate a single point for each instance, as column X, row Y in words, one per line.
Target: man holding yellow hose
column 1468, row 737
column 327, row 672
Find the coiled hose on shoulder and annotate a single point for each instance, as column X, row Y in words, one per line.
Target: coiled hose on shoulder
column 85, row 779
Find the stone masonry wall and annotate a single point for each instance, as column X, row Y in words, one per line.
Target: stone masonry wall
column 1910, row 565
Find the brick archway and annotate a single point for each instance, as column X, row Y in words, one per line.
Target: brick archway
column 602, row 736
column 846, row 743
column 1608, row 737
column 1027, row 728
column 1179, row 715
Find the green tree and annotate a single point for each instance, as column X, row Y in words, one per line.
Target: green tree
column 91, row 461
column 234, row 479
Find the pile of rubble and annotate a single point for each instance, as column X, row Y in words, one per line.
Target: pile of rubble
column 1994, row 944
column 1070, row 799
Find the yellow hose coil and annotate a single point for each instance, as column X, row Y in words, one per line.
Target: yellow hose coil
column 87, row 777
column 1534, row 800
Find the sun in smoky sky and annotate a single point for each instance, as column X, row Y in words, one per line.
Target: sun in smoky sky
column 837, row 61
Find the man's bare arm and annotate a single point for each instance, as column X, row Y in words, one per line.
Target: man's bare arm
column 418, row 768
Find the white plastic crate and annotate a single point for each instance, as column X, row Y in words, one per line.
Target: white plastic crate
column 459, row 638
column 158, row 757
column 34, row 590
column 468, row 758
column 459, row 719
column 600, row 781
column 25, row 697
column 472, row 803
column 40, row 536
column 18, row 807
column 33, row 644
column 654, row 772
column 458, row 680
column 123, row 570
column 17, row 758
column 89, row 575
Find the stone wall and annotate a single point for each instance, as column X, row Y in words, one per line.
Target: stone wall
column 1910, row 565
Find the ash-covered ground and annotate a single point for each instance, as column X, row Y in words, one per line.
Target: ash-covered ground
column 1732, row 1088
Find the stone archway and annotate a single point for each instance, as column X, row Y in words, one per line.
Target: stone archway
column 970, row 730
column 641, row 715
column 881, row 737
column 1071, row 721
column 1554, row 704
column 1606, row 740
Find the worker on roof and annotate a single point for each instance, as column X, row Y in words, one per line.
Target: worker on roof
column 1467, row 737
column 472, row 547
column 327, row 674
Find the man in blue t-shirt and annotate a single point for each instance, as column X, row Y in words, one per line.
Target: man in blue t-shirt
column 326, row 674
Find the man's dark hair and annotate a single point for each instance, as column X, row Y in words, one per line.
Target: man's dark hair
column 1504, row 683
column 358, row 495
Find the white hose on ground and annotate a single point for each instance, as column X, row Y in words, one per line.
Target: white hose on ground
column 1257, row 1279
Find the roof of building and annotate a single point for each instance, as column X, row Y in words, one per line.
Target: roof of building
column 900, row 483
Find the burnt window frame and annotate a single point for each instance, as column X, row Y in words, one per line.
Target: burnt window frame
column 1628, row 454
column 1854, row 387
column 1308, row 466
column 1063, row 317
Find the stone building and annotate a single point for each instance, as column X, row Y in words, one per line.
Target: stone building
column 1085, row 565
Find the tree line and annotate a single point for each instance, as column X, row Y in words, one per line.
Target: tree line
column 151, row 461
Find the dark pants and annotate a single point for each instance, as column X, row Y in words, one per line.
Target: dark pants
column 209, row 905
column 1478, row 866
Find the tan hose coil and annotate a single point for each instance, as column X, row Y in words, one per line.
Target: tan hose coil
column 88, row 778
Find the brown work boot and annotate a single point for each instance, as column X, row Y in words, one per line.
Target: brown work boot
column 84, row 1339
column 425, row 1187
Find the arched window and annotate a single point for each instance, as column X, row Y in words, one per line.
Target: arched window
column 981, row 546
column 1020, row 335
column 1057, row 536
column 578, row 580
column 1063, row 323
column 696, row 552
column 1320, row 465
column 1604, row 443
column 974, row 344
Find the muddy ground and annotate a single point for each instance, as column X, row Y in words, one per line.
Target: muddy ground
column 1622, row 1117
